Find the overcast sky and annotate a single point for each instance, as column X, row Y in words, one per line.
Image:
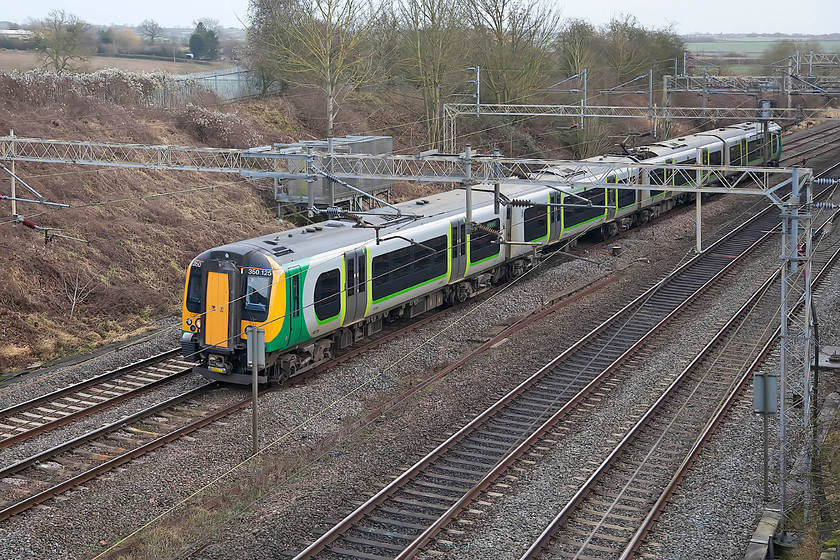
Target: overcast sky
column 708, row 16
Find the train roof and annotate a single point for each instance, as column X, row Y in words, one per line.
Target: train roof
column 290, row 245
column 302, row 242
column 694, row 141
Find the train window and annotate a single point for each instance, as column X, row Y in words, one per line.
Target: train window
column 351, row 277
column 683, row 176
column 327, row 302
column 775, row 145
column 576, row 215
column 482, row 244
column 408, row 267
column 657, row 177
column 735, row 154
column 536, row 223
column 401, row 263
column 194, row 290
column 257, row 290
column 362, row 274
column 754, row 150
column 715, row 158
column 555, row 212
column 626, row 197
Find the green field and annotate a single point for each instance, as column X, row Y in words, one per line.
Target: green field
column 751, row 47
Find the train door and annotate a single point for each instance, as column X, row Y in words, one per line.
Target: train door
column 704, row 160
column 612, row 198
column 294, row 282
column 218, row 316
column 355, row 287
column 459, row 249
column 555, row 213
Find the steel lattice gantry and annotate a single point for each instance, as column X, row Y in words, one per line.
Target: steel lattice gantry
column 173, row 158
column 655, row 114
column 785, row 84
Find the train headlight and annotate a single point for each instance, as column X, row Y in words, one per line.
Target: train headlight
column 189, row 322
column 192, row 328
column 198, row 323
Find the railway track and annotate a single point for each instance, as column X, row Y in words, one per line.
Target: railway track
column 616, row 506
column 45, row 475
column 36, row 416
column 811, row 144
column 54, row 471
column 47, row 412
column 405, row 515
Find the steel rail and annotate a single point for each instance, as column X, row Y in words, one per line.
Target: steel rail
column 381, row 496
column 335, row 532
column 41, row 427
column 561, row 518
column 647, row 523
column 564, row 515
column 20, row 466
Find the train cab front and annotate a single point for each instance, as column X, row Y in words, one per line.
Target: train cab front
column 225, row 291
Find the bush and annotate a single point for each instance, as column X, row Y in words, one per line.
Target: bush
column 40, row 87
column 217, row 128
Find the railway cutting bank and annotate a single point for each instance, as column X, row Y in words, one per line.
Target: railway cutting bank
column 321, row 475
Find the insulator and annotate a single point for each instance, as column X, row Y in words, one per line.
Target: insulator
column 825, row 205
column 520, row 203
column 485, row 229
column 29, row 223
column 824, row 181
column 331, row 212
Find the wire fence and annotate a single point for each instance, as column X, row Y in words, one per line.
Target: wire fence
column 228, row 85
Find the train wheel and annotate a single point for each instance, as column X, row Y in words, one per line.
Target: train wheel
column 514, row 270
column 609, row 230
column 460, row 293
column 284, row 371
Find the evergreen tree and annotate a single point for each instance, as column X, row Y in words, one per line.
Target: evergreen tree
column 204, row 43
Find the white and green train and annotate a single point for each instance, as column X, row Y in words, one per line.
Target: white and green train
column 316, row 290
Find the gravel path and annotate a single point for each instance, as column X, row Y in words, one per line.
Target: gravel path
column 319, row 482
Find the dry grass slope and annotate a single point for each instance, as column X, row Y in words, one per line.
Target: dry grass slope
column 140, row 238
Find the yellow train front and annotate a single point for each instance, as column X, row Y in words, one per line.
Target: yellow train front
column 228, row 289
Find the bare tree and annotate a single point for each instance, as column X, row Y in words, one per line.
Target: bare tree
column 321, row 44
column 631, row 50
column 62, row 40
column 576, row 46
column 515, row 39
column 435, row 37
column 77, row 291
column 624, row 49
column 150, row 29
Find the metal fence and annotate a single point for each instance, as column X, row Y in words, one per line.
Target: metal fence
column 228, row 84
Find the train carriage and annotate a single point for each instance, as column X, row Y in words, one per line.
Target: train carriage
column 317, row 289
